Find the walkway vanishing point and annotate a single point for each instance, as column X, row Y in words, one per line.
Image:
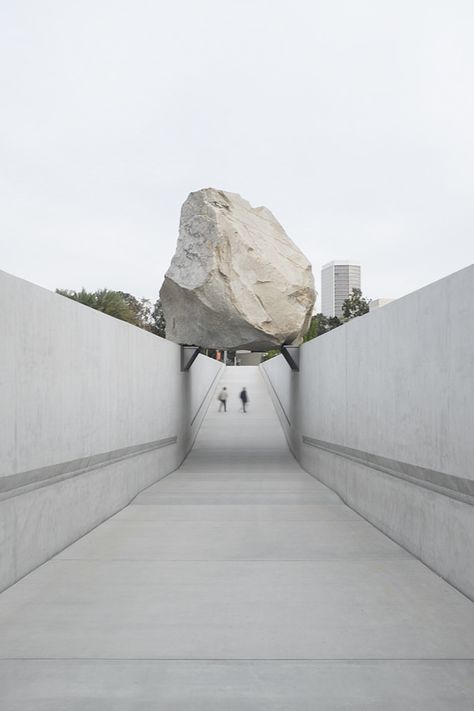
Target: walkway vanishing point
column 237, row 582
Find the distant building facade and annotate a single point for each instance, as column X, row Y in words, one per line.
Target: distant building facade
column 378, row 303
column 338, row 278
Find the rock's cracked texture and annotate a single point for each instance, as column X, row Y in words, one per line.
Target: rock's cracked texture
column 236, row 279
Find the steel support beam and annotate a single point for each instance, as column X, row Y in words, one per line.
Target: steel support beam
column 188, row 356
column 292, row 356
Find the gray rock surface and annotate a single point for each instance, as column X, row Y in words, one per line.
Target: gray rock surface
column 236, row 279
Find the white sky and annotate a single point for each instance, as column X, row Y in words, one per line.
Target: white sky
column 353, row 121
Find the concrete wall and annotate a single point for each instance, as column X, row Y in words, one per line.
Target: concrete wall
column 92, row 410
column 382, row 411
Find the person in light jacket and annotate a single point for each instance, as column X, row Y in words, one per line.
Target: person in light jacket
column 222, row 397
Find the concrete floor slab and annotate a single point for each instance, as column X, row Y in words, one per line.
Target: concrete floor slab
column 244, row 610
column 238, row 582
column 232, row 483
column 231, row 540
column 107, row 685
column 232, row 498
column 238, row 512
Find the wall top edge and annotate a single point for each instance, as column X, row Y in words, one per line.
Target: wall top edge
column 397, row 303
column 44, row 293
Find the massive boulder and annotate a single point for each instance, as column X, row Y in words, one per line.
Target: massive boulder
column 236, row 281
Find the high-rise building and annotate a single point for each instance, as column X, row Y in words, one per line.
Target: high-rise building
column 338, row 278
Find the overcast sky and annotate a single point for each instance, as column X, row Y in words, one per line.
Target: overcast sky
column 353, row 121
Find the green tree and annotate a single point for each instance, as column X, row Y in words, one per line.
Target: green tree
column 270, row 354
column 123, row 306
column 149, row 317
column 141, row 309
column 158, row 320
column 105, row 300
column 321, row 324
column 313, row 329
column 355, row 305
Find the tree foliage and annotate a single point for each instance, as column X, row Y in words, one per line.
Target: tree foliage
column 355, row 305
column 109, row 302
column 158, row 320
column 270, row 354
column 321, row 324
column 140, row 308
column 124, row 306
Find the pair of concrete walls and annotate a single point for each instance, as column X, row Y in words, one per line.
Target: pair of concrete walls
column 382, row 411
column 92, row 411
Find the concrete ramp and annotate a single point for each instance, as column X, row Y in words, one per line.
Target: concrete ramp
column 237, row 582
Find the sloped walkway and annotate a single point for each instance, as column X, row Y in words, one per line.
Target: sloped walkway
column 238, row 582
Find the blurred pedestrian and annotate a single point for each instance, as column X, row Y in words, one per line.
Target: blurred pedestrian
column 244, row 397
column 222, row 397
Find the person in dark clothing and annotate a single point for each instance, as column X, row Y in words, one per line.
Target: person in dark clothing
column 244, row 397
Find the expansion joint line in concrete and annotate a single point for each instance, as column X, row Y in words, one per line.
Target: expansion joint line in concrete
column 230, row 660
column 205, row 398
column 274, row 396
column 455, row 487
column 24, row 482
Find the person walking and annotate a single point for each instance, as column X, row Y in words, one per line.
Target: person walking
column 222, row 397
column 244, row 397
